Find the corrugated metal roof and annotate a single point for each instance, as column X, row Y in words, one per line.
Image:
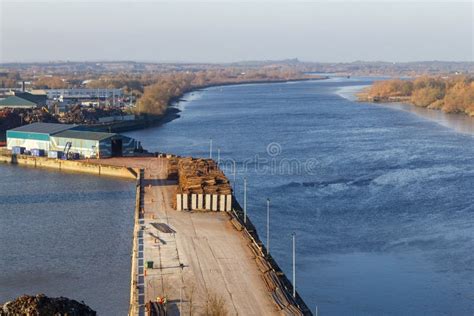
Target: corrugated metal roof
column 35, row 98
column 84, row 135
column 44, row 128
column 16, row 101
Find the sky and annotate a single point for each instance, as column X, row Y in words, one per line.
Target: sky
column 227, row 31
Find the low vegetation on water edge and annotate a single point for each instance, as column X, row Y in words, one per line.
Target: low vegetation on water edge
column 450, row 94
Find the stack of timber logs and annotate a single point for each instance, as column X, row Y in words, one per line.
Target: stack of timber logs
column 201, row 176
column 173, row 168
column 201, row 185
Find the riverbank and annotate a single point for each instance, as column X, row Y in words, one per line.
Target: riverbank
column 458, row 122
column 450, row 94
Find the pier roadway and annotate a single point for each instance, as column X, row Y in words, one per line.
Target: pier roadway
column 197, row 257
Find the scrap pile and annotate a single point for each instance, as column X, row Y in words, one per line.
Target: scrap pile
column 11, row 118
column 43, row 305
column 201, row 176
column 79, row 114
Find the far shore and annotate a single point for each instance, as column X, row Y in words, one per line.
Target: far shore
column 458, row 122
column 172, row 112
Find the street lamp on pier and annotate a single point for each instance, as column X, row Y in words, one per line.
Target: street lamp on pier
column 210, row 148
column 294, row 264
column 245, row 200
column 268, row 226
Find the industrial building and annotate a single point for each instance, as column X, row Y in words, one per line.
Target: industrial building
column 62, row 140
column 14, row 102
column 81, row 93
column 34, row 136
column 93, row 144
column 22, row 100
column 40, row 100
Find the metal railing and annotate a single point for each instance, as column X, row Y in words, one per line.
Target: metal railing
column 276, row 281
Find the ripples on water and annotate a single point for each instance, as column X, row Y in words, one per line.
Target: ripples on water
column 66, row 235
column 386, row 223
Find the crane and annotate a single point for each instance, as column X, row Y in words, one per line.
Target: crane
column 67, row 147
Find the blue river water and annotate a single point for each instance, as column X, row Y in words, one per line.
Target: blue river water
column 380, row 197
column 66, row 235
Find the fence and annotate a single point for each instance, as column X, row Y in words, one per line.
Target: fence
column 274, row 278
column 134, row 308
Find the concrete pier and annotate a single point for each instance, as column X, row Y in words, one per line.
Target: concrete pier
column 197, row 256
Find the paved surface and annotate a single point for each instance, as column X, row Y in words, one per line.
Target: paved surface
column 200, row 258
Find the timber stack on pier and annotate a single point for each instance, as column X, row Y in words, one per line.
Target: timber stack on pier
column 202, row 186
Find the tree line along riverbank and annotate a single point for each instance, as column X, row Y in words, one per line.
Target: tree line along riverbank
column 451, row 94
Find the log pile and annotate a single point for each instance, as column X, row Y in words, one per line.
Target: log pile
column 201, row 176
column 173, row 168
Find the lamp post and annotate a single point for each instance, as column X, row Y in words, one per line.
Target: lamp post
column 235, row 172
column 210, row 148
column 268, row 226
column 294, row 264
column 245, row 200
column 181, row 300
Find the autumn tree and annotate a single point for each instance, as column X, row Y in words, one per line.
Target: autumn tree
column 52, row 82
column 450, row 94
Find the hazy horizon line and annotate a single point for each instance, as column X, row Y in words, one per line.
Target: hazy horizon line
column 229, row 62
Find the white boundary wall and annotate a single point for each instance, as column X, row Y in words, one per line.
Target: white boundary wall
column 204, row 202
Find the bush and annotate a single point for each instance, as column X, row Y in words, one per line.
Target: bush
column 215, row 306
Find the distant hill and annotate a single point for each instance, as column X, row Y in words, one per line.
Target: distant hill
column 393, row 69
column 371, row 68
